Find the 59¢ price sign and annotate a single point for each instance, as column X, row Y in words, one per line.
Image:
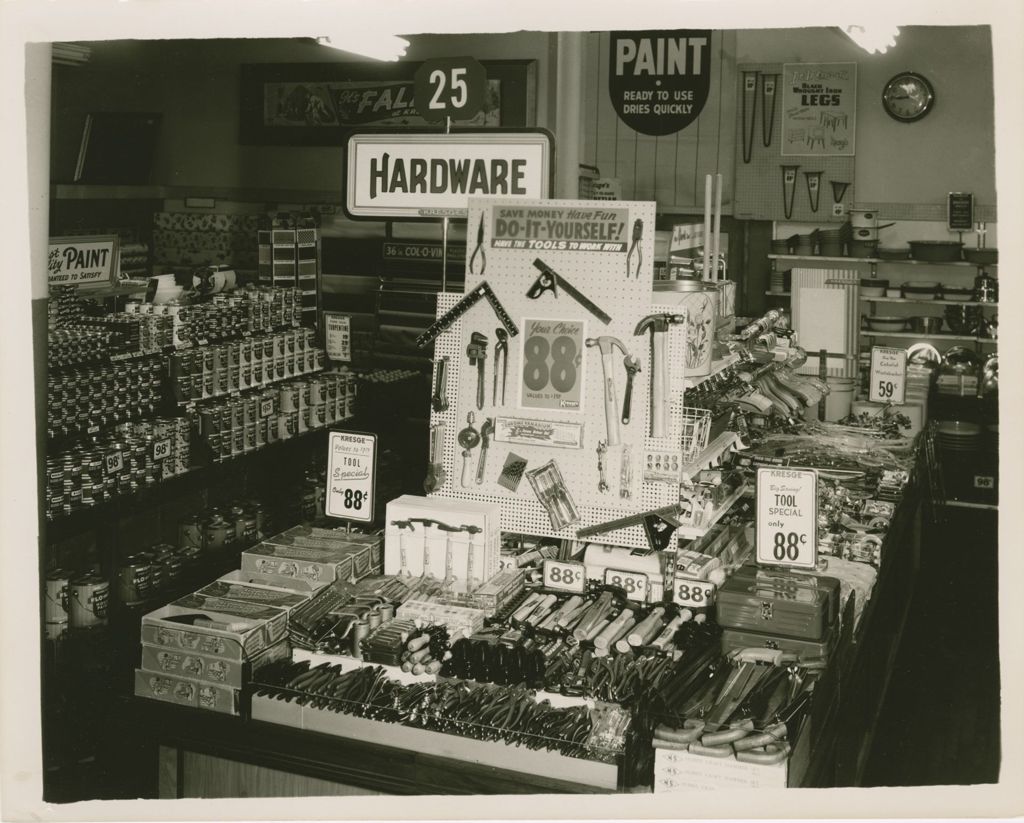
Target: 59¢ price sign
column 351, row 475
column 787, row 517
column 888, row 375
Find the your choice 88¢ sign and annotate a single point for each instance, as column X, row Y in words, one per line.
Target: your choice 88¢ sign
column 787, row 517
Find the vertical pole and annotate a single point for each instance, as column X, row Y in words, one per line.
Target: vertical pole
column 706, row 268
column 444, row 227
column 568, row 114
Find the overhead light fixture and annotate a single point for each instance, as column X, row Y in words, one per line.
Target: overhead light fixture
column 872, row 38
column 377, row 46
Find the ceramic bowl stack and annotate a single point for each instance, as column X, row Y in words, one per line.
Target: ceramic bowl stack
column 959, row 438
column 805, row 244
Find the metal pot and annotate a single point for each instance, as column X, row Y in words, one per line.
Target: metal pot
column 926, row 325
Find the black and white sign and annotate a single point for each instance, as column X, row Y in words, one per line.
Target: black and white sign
column 351, row 475
column 693, row 593
column 449, row 87
column 433, row 175
column 87, row 262
column 162, row 449
column 634, row 584
column 565, row 576
column 338, row 337
column 787, row 517
column 960, row 211
column 888, row 375
column 659, row 81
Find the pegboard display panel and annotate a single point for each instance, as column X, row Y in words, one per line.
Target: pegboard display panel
column 759, row 183
column 601, row 277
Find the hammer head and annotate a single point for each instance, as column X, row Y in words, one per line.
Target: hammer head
column 606, row 344
column 658, row 323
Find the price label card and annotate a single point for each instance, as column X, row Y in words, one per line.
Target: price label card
column 565, row 576
column 888, row 375
column 693, row 593
column 162, row 449
column 338, row 336
column 114, row 462
column 982, row 481
column 787, row 517
column 351, row 475
column 552, row 365
column 633, row 583
column 266, row 408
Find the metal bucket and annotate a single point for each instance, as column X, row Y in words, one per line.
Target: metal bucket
column 700, row 300
column 88, row 598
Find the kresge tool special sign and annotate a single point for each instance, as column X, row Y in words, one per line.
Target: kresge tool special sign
column 403, row 176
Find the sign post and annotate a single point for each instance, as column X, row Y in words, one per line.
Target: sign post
column 787, row 517
column 888, row 375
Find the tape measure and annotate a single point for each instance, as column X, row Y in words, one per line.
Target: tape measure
column 464, row 305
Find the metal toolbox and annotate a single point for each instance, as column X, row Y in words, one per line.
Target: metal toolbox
column 733, row 639
column 779, row 603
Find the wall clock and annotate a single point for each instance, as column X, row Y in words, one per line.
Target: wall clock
column 908, row 97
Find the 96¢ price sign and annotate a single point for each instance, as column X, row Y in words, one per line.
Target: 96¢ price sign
column 566, row 577
column 351, row 475
column 693, row 593
column 888, row 375
column 634, row 584
column 787, row 517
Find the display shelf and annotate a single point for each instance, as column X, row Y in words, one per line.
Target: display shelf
column 779, row 293
column 972, row 338
column 876, row 260
column 72, row 191
column 712, row 455
column 926, row 301
column 964, row 504
column 695, row 532
column 719, row 365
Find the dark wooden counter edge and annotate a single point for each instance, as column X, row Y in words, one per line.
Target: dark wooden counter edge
column 329, row 757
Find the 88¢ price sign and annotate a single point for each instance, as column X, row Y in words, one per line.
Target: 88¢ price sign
column 351, row 475
column 634, row 584
column 693, row 593
column 566, row 577
column 787, row 517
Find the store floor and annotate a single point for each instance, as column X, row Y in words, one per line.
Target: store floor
column 939, row 724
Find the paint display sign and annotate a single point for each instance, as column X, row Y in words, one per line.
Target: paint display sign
column 659, row 81
column 408, row 176
column 559, row 229
column 87, row 262
column 819, row 109
column 351, row 475
column 552, row 375
column 338, row 337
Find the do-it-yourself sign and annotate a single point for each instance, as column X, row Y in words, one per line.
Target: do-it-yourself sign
column 409, row 176
column 819, row 109
column 351, row 475
column 787, row 517
column 561, row 229
column 658, row 81
column 86, row 262
column 888, row 375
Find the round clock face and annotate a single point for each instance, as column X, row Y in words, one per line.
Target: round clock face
column 908, row 97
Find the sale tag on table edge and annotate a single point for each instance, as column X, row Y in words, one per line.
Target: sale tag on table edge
column 579, row 573
column 363, row 484
column 162, row 449
column 641, row 586
column 706, row 587
column 114, row 462
column 888, row 385
column 805, row 532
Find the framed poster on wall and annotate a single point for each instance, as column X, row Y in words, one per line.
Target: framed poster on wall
column 819, row 109
column 317, row 104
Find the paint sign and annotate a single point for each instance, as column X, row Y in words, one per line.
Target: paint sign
column 659, row 81
column 560, row 229
column 552, row 357
column 351, row 475
column 888, row 375
column 338, row 337
column 433, row 175
column 819, row 109
column 87, row 262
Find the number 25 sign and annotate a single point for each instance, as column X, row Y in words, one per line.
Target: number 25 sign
column 449, row 87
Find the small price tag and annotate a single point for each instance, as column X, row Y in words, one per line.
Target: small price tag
column 888, row 375
column 92, row 430
column 114, row 462
column 266, row 408
column 787, row 517
column 633, row 583
column 351, row 476
column 565, row 576
column 162, row 449
column 984, row 482
column 693, row 593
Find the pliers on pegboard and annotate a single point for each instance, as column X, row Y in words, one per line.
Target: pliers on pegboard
column 500, row 354
column 638, row 233
column 479, row 250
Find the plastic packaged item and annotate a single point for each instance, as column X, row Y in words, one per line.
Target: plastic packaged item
column 554, row 495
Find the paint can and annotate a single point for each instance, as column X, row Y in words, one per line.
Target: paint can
column 88, row 598
column 56, row 604
column 133, row 580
